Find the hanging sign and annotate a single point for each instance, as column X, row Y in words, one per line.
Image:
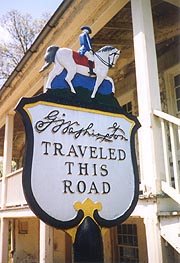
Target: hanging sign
column 80, row 156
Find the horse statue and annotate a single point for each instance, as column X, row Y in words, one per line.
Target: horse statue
column 65, row 58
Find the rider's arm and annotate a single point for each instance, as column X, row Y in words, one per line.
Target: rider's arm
column 88, row 41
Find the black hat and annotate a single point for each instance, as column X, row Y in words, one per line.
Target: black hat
column 87, row 28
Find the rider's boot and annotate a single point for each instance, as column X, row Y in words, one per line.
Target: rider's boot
column 91, row 72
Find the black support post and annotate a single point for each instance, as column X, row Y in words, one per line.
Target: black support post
column 88, row 245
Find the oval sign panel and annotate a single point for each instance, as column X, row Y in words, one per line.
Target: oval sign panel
column 78, row 157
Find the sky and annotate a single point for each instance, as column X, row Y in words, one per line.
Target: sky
column 34, row 7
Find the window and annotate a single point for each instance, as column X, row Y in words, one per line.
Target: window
column 128, row 107
column 23, row 227
column 128, row 243
column 177, row 91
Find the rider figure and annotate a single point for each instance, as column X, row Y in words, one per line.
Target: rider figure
column 86, row 47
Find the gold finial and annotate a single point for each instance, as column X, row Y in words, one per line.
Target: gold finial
column 88, row 207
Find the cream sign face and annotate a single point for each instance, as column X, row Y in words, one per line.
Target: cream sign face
column 78, row 158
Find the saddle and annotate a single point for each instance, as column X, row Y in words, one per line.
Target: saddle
column 81, row 60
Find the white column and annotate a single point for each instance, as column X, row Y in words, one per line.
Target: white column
column 7, row 157
column 154, row 248
column 150, row 139
column 148, row 92
column 46, row 243
column 4, row 240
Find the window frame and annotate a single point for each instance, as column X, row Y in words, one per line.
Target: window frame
column 126, row 244
column 169, row 78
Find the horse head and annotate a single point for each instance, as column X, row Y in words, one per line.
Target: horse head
column 112, row 55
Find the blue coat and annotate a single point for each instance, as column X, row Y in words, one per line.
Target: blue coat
column 85, row 42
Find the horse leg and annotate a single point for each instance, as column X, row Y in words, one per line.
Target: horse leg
column 97, row 84
column 53, row 73
column 64, row 57
column 70, row 75
column 112, row 83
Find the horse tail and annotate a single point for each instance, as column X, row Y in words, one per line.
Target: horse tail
column 49, row 57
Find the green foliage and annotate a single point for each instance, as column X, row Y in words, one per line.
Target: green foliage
column 23, row 30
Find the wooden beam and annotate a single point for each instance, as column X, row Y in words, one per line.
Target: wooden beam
column 173, row 2
column 121, row 26
column 112, row 9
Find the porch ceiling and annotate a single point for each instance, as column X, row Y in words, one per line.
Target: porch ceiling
column 118, row 32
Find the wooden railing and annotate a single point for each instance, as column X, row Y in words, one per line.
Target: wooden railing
column 13, row 192
column 170, row 126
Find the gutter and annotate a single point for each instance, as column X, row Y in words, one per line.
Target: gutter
column 34, row 47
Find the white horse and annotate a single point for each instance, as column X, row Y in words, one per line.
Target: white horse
column 104, row 59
